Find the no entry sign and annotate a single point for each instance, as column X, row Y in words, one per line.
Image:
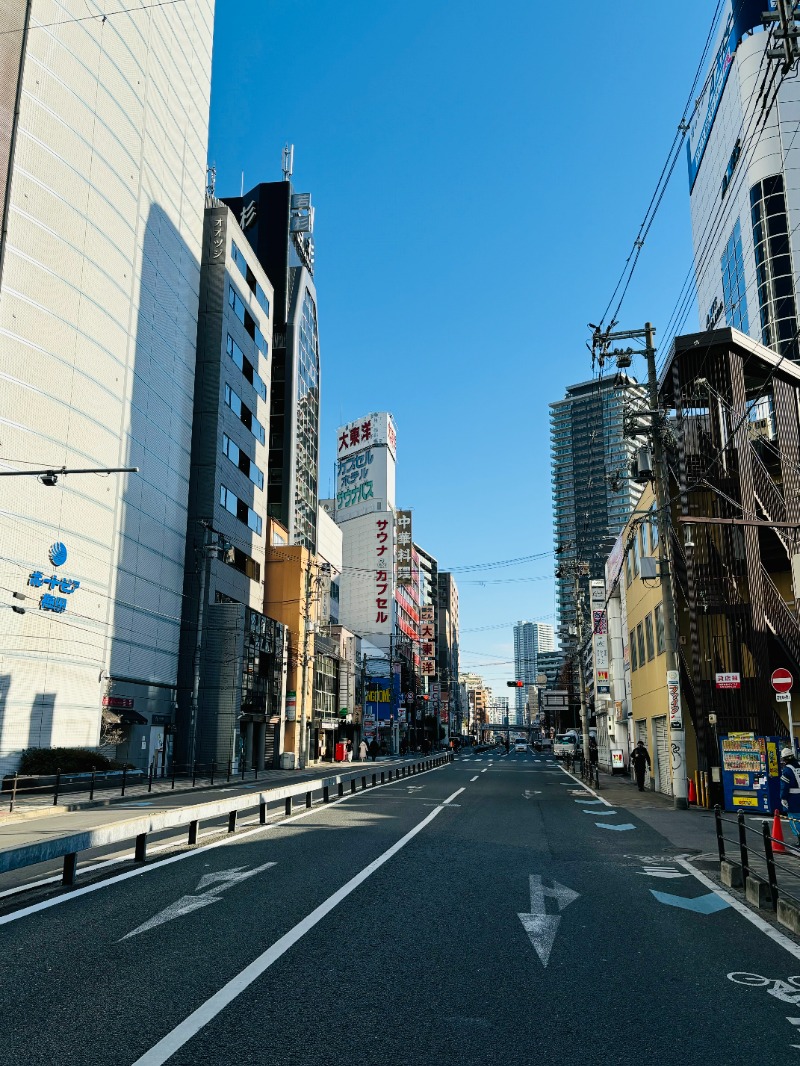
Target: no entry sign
column 782, row 680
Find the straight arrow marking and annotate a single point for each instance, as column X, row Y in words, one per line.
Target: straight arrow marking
column 540, row 926
column 216, row 882
column 709, row 904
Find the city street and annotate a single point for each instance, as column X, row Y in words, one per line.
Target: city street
column 472, row 914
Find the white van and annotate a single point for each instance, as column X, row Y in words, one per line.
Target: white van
column 565, row 745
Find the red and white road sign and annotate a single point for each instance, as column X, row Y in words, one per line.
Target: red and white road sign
column 782, row 680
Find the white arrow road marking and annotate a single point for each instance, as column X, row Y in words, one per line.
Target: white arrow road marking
column 186, row 904
column 540, row 926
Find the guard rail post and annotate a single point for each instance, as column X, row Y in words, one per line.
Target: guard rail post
column 383, row 777
column 150, row 779
column 194, row 831
column 232, row 822
column 13, row 795
column 55, row 791
column 91, row 786
column 262, row 813
column 288, row 807
column 363, row 783
column 69, row 869
column 743, row 846
column 341, row 788
column 352, row 785
column 325, row 794
column 374, row 780
column 174, row 766
column 124, row 778
column 140, row 853
column 720, row 837
column 772, row 875
column 230, row 766
column 308, row 800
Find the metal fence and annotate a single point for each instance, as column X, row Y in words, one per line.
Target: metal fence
column 755, row 846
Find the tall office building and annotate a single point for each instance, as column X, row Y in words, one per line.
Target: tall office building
column 530, row 638
column 279, row 224
column 742, row 161
column 103, row 139
column 232, row 654
column 592, row 490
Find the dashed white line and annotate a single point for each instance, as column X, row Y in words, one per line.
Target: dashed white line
column 475, row 778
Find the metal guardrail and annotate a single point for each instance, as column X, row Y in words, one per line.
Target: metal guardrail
column 139, row 829
column 768, row 844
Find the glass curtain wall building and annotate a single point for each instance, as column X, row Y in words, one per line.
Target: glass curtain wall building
column 530, row 638
column 593, row 493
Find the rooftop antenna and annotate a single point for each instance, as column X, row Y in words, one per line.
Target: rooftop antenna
column 288, row 161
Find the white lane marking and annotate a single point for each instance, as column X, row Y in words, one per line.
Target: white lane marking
column 206, row 1012
column 484, row 770
column 475, row 778
column 231, row 838
column 213, row 883
column 740, row 908
column 449, row 799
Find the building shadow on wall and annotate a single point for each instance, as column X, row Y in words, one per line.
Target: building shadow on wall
column 40, row 725
column 146, row 623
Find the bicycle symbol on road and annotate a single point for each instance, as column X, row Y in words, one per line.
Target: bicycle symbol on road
column 788, row 991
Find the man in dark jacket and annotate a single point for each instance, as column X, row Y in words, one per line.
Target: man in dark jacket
column 640, row 759
column 790, row 782
column 374, row 749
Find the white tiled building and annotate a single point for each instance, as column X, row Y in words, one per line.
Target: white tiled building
column 98, row 321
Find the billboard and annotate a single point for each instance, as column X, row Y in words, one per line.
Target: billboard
column 597, row 596
column 405, row 542
column 378, row 699
column 366, row 586
column 366, row 452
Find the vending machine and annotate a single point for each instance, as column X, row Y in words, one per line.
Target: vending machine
column 751, row 772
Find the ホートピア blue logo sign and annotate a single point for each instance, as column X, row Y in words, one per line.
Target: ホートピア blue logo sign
column 58, row 553
column 49, row 600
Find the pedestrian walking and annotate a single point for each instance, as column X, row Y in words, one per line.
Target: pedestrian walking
column 374, row 748
column 349, row 750
column 362, row 751
column 790, row 783
column 640, row 757
column 593, row 752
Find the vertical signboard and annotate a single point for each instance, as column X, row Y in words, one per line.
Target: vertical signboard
column 597, row 597
column 405, row 541
column 383, row 545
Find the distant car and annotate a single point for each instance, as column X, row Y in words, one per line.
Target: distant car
column 520, row 745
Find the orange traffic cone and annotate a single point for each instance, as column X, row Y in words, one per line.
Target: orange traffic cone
column 692, row 792
column 777, row 834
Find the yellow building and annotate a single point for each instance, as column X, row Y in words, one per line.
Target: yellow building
column 645, row 648
column 291, row 576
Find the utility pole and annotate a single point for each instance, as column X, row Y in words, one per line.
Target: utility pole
column 576, row 570
column 302, row 753
column 654, row 432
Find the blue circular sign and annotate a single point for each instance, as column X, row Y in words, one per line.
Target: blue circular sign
column 58, row 554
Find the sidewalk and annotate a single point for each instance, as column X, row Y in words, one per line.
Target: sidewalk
column 689, row 831
column 43, row 822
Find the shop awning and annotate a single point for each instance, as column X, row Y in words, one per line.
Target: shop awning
column 129, row 717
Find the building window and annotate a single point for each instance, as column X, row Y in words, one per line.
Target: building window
column 248, row 370
column 645, row 534
column 234, row 401
column 636, row 556
column 733, row 283
column 241, row 459
column 628, row 568
column 231, row 502
column 250, row 278
column 632, row 646
column 242, row 562
column 661, row 644
column 774, row 273
column 237, row 306
column 649, row 639
column 640, row 643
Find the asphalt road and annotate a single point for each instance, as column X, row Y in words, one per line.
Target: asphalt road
column 483, row 912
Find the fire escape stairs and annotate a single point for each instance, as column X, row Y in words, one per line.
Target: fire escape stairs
column 781, row 619
column 769, row 499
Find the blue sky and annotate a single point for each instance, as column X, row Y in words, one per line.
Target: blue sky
column 479, row 173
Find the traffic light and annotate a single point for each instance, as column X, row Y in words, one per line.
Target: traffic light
column 515, row 684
